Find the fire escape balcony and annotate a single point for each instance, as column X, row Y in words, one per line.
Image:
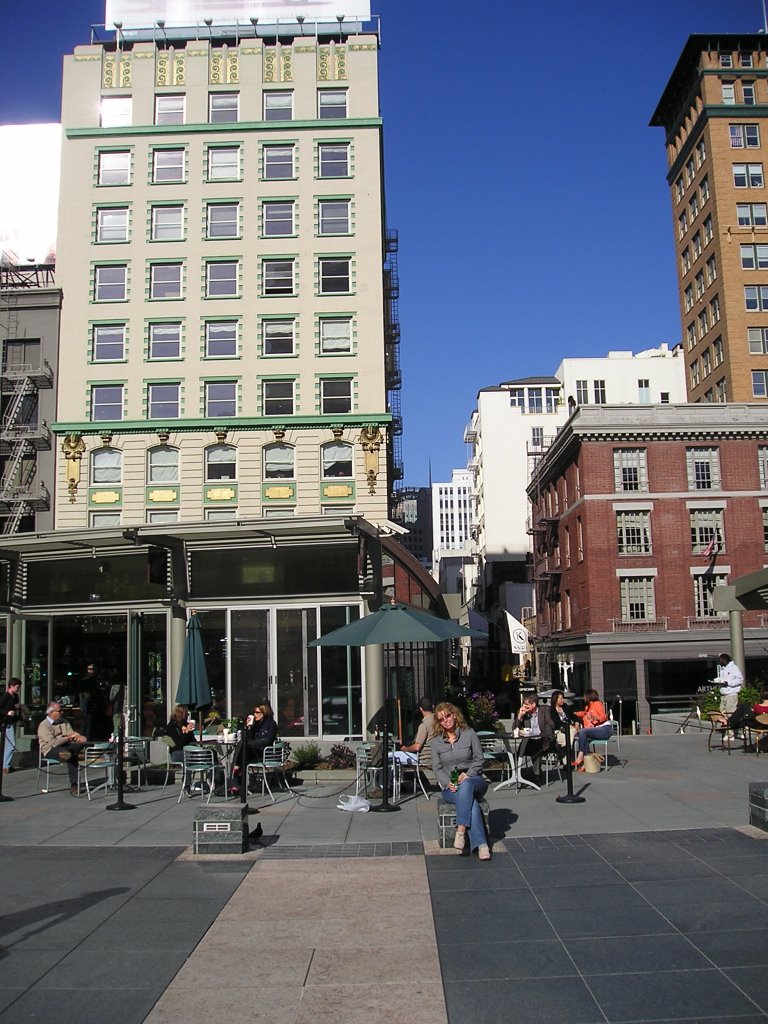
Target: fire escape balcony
column 35, row 495
column 35, row 435
column 14, row 374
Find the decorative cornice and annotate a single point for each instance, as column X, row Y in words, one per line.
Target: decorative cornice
column 343, row 124
column 239, row 424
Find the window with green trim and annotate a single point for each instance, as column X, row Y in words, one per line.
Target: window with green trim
column 115, row 167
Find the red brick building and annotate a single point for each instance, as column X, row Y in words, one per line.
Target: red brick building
column 639, row 513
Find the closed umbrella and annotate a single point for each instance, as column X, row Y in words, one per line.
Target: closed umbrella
column 194, row 690
column 393, row 624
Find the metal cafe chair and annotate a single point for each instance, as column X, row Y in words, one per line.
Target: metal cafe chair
column 198, row 765
column 272, row 764
column 99, row 758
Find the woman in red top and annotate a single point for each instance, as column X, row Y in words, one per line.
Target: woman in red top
column 595, row 725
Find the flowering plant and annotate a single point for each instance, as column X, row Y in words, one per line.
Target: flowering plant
column 481, row 709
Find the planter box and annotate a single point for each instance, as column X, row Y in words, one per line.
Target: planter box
column 220, row 828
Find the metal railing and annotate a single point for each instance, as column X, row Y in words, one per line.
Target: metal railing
column 640, row 625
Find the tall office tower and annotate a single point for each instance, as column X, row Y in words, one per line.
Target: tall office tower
column 713, row 111
column 221, row 250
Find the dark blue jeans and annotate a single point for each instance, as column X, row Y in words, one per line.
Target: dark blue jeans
column 468, row 811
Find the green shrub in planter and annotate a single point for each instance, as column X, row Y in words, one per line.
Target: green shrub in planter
column 305, row 755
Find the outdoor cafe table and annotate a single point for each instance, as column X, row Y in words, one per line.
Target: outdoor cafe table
column 511, row 742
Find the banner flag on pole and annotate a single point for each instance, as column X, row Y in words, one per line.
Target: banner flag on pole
column 518, row 635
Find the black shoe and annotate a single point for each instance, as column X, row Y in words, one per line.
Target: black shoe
column 74, row 791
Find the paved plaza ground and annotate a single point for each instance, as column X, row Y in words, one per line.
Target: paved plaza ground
column 649, row 902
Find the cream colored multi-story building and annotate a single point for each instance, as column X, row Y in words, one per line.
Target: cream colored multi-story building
column 220, row 249
column 713, row 111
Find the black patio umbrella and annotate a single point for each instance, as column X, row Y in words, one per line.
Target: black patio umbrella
column 194, row 690
column 393, row 624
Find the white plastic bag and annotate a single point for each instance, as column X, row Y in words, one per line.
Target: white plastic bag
column 353, row 803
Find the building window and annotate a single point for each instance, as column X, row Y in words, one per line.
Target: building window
column 106, row 466
column 706, row 362
column 599, row 392
column 221, row 339
column 714, row 310
column 706, row 531
column 755, row 298
column 333, row 217
column 116, row 111
column 278, row 397
column 163, row 465
column 115, row 167
column 703, row 466
column 726, row 60
column 765, row 529
column 679, row 188
column 165, row 281
column 633, row 531
column 278, row 162
column 644, row 391
column 630, row 469
column 333, row 159
column 336, row 459
column 167, row 166
column 103, row 520
column 693, row 207
column 223, row 163
column 335, row 335
column 278, row 337
column 537, row 437
column 221, row 279
column 112, row 224
column 223, row 220
column 582, row 392
column 748, row 175
column 688, row 297
column 220, row 398
column 691, row 335
column 717, row 351
column 704, row 189
column 336, row 395
column 277, row 217
column 167, row 223
column 220, row 463
column 331, row 104
column 164, row 341
column 701, row 151
column 685, row 260
column 745, row 59
column 748, row 93
column 108, row 342
column 334, row 275
column 721, row 390
column 729, row 92
column 762, row 466
column 637, row 599
column 695, row 374
column 220, row 515
column 699, row 284
column 223, row 107
column 760, row 383
column 169, row 109
column 278, row 277
column 744, row 136
column 163, row 401
column 690, row 171
column 754, row 257
column 682, row 224
column 703, row 591
column 278, row 106
column 278, row 462
column 111, row 283
column 696, row 245
column 106, row 402
column 164, row 515
column 711, row 270
column 703, row 323
column 752, row 215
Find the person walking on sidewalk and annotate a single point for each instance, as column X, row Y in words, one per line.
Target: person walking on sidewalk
column 457, row 761
column 58, row 739
column 10, row 714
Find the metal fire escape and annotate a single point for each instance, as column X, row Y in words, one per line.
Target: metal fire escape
column 392, row 361
column 22, row 434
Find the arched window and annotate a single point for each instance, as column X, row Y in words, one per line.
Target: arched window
column 106, row 466
column 278, row 461
column 337, row 459
column 163, row 465
column 220, row 462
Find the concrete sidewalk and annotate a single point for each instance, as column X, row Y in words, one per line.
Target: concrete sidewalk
column 107, row 914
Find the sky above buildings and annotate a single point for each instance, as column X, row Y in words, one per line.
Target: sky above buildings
column 528, row 191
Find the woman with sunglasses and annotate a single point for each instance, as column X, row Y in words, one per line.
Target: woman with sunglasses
column 457, row 761
column 260, row 733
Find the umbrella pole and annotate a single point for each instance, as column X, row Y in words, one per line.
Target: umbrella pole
column 569, row 797
column 244, row 771
column 120, row 804
column 385, row 805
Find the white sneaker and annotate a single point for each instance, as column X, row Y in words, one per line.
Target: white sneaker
column 459, row 841
column 483, row 853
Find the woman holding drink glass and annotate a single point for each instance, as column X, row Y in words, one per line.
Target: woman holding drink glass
column 457, row 761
